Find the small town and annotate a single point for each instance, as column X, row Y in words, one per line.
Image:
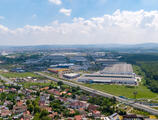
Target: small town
column 78, row 59
column 60, row 89
column 58, row 101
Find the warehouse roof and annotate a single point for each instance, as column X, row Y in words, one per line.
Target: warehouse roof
column 71, row 74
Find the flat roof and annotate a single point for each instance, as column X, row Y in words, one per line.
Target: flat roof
column 71, row 74
column 107, row 75
column 120, row 68
column 106, row 79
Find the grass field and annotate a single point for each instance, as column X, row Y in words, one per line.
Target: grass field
column 13, row 75
column 120, row 90
column 27, row 85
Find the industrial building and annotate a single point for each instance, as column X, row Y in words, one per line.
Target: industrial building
column 57, row 70
column 77, row 59
column 71, row 75
column 121, row 68
column 109, row 80
column 121, row 73
column 66, row 65
column 78, row 68
column 55, row 58
column 106, row 62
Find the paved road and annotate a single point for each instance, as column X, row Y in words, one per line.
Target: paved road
column 6, row 80
column 97, row 92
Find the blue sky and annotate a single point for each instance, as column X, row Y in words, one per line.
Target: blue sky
column 33, row 22
column 19, row 13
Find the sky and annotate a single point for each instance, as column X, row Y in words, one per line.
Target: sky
column 50, row 22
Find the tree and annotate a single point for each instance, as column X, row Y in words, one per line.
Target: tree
column 73, row 96
column 135, row 94
column 38, row 93
column 43, row 113
column 3, row 96
column 37, row 109
column 51, row 98
column 60, row 83
column 28, row 102
column 45, row 118
column 10, row 106
column 34, row 102
column 30, row 108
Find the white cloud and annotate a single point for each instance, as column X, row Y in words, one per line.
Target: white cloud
column 66, row 12
column 2, row 17
column 120, row 27
column 57, row 2
column 34, row 16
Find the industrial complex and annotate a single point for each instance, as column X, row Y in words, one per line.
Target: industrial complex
column 120, row 73
column 112, row 71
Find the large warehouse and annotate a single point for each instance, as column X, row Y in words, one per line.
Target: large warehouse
column 121, row 73
column 121, row 68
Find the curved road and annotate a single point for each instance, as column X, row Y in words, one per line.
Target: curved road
column 97, row 92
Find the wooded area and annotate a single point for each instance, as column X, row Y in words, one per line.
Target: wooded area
column 149, row 65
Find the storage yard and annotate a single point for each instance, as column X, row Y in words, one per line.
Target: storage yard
column 121, row 73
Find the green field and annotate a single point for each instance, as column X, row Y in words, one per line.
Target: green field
column 13, row 75
column 121, row 90
column 27, row 84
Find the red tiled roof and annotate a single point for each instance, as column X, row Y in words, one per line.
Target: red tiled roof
column 5, row 112
column 69, row 93
column 45, row 88
column 78, row 117
column 20, row 103
column 92, row 107
column 96, row 112
column 78, row 104
column 53, row 91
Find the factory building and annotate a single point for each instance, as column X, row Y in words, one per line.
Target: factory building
column 77, row 59
column 118, row 69
column 108, row 80
column 121, row 73
column 78, row 68
column 106, row 62
column 57, row 70
column 66, row 65
column 55, row 58
column 71, row 75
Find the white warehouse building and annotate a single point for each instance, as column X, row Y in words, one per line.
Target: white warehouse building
column 121, row 73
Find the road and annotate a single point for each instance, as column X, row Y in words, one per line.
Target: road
column 97, row 92
column 6, row 80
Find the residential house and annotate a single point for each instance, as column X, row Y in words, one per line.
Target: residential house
column 5, row 112
column 78, row 117
column 92, row 108
column 19, row 108
column 53, row 91
column 77, row 105
column 96, row 113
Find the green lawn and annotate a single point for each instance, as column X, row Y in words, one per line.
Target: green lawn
column 28, row 84
column 120, row 90
column 26, row 74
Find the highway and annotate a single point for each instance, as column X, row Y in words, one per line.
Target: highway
column 97, row 92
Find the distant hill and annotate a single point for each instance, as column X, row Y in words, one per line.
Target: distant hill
column 136, row 48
